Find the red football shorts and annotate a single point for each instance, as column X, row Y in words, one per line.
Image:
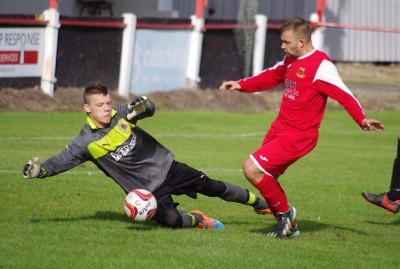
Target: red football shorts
column 282, row 147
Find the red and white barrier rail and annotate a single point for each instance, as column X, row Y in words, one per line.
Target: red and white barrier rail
column 17, row 21
column 356, row 27
column 207, row 26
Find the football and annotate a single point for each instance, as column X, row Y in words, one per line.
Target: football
column 140, row 205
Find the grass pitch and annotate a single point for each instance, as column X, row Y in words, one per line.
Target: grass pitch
column 76, row 219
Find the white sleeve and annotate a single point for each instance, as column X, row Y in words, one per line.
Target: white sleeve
column 327, row 72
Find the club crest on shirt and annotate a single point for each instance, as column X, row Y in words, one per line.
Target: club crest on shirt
column 123, row 126
column 300, row 72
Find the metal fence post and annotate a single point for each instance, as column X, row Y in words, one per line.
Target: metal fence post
column 50, row 51
column 127, row 52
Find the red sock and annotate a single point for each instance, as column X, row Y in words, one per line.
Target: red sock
column 273, row 193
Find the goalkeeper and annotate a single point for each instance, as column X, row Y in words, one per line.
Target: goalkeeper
column 113, row 141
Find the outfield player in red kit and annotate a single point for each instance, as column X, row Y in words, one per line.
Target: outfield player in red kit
column 309, row 78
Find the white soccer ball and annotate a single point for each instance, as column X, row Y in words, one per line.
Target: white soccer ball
column 140, row 205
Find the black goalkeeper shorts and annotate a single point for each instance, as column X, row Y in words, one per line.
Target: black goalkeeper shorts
column 181, row 179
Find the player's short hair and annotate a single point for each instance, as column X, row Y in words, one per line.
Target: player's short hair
column 299, row 26
column 92, row 89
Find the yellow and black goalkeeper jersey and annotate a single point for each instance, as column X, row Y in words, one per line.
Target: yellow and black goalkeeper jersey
column 123, row 151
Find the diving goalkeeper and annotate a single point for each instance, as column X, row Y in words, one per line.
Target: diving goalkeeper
column 113, row 141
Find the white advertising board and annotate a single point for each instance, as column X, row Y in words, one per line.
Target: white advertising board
column 21, row 52
column 160, row 60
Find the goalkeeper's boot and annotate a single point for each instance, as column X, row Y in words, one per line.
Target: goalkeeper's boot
column 382, row 200
column 286, row 223
column 265, row 211
column 293, row 232
column 207, row 222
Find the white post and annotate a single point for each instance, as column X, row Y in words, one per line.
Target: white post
column 194, row 57
column 50, row 51
column 127, row 51
column 317, row 36
column 259, row 43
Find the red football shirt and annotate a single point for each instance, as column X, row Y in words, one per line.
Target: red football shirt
column 309, row 80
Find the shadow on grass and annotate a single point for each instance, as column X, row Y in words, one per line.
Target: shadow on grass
column 108, row 216
column 308, row 226
column 384, row 222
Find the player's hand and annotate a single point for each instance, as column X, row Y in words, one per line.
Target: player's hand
column 32, row 168
column 137, row 107
column 229, row 86
column 372, row 125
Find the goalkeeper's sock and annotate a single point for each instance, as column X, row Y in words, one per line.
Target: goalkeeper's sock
column 253, row 199
column 189, row 220
column 196, row 218
column 256, row 202
column 234, row 193
column 273, row 193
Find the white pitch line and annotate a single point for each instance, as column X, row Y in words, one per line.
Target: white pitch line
column 40, row 138
column 68, row 172
column 226, row 170
column 194, row 135
column 181, row 135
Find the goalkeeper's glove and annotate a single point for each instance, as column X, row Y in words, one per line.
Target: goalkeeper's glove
column 137, row 107
column 32, row 169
